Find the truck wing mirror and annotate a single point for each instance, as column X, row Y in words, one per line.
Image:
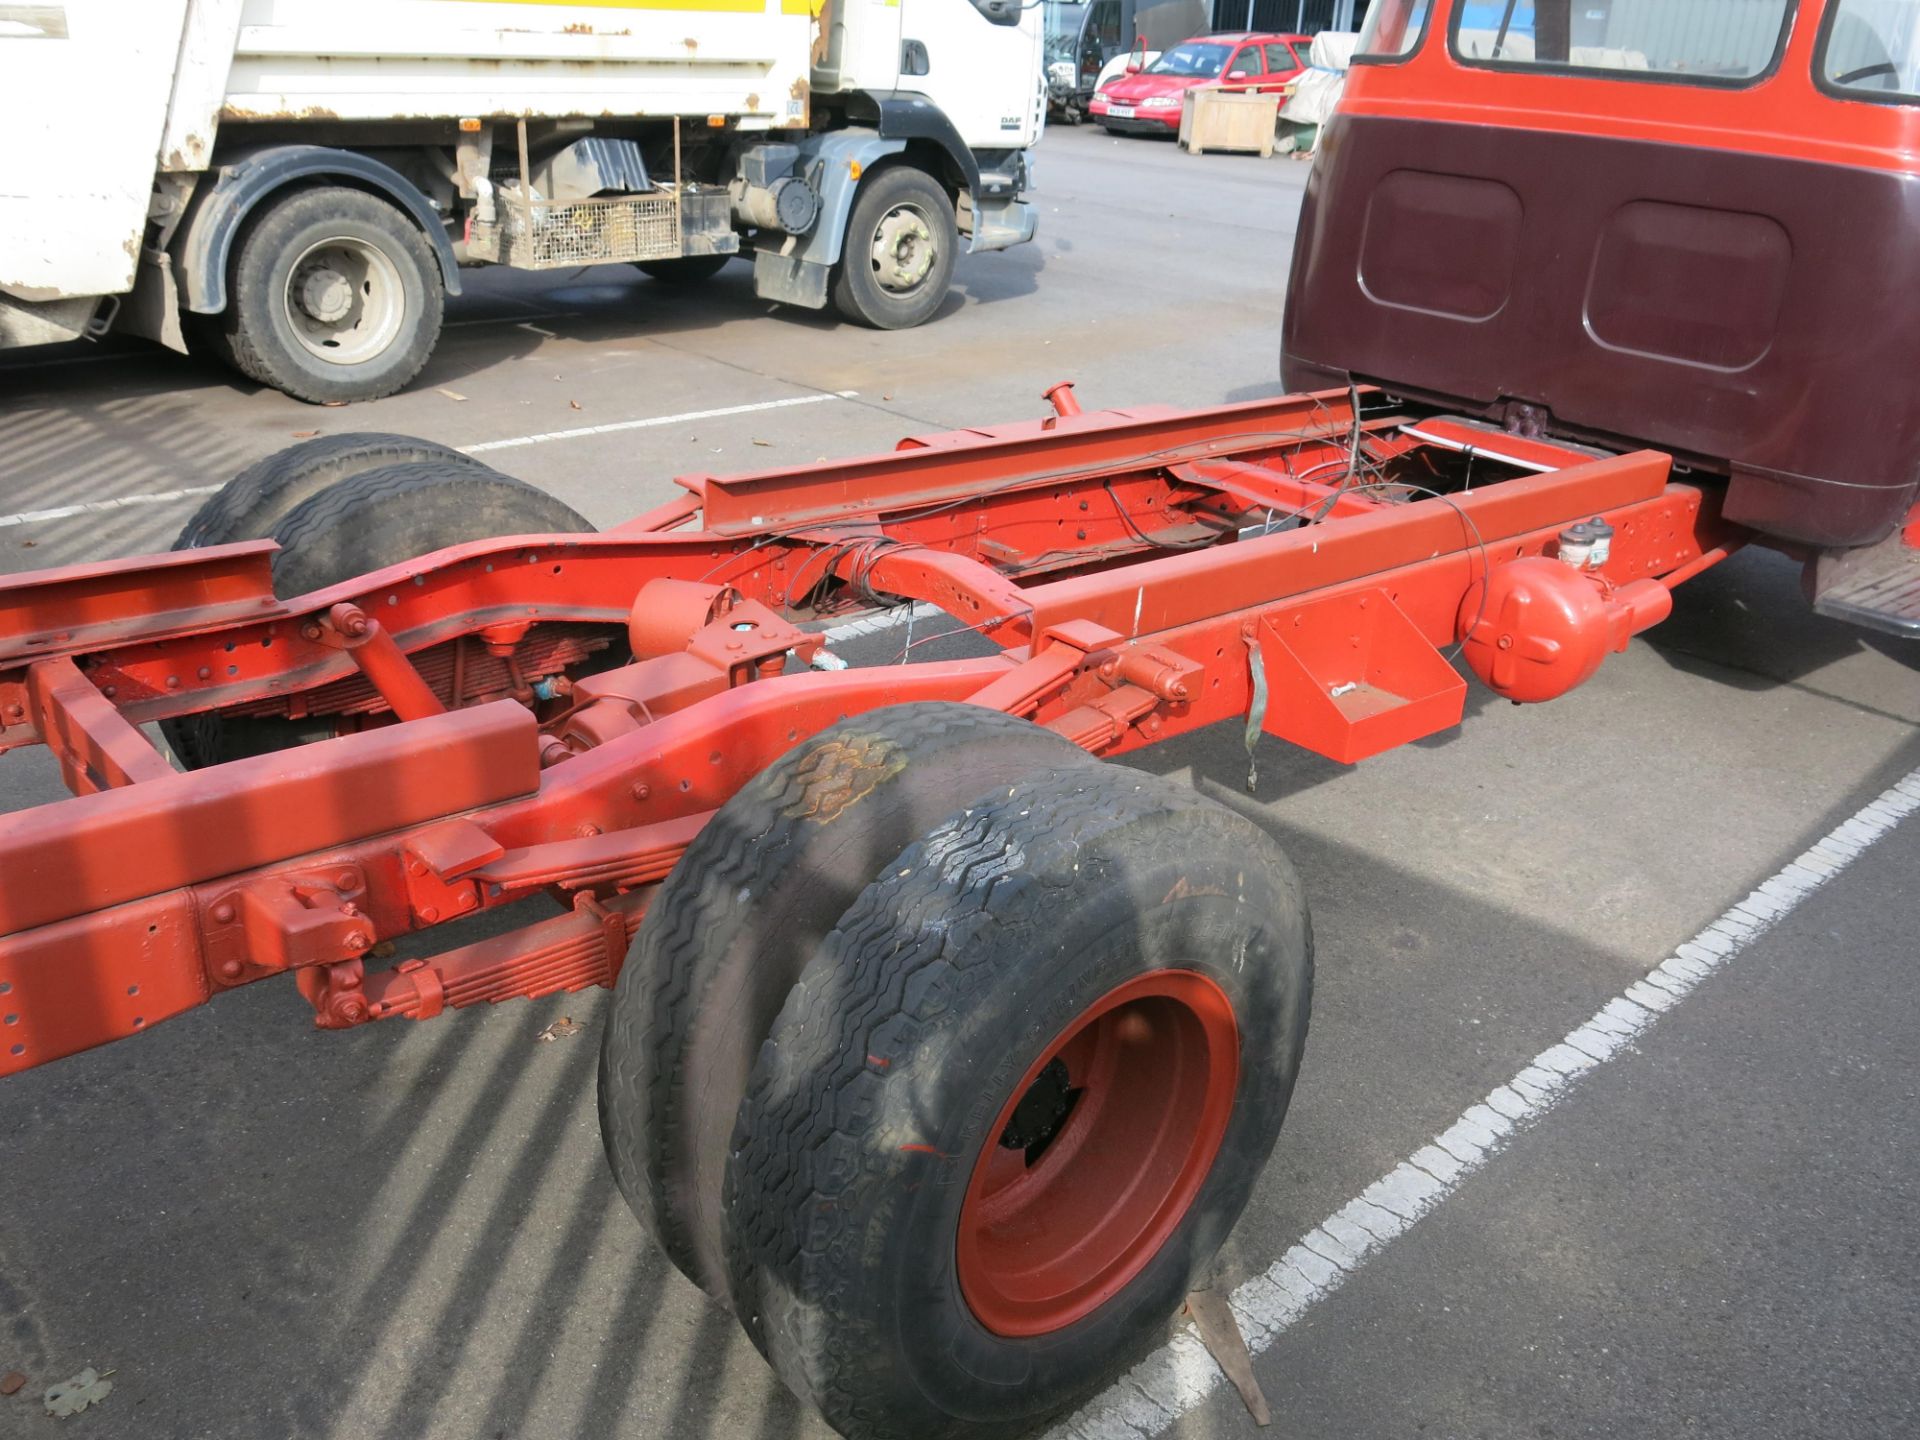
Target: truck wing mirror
column 999, row 12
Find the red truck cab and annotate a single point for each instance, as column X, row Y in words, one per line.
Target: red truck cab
column 1693, row 225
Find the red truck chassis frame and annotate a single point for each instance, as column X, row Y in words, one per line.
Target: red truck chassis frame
column 1295, row 564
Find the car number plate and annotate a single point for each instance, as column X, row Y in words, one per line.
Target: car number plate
column 1120, row 112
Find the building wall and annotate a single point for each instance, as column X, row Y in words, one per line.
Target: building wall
column 1307, row 17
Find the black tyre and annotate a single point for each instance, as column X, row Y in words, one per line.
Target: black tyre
column 900, row 249
column 397, row 512
column 334, row 295
column 365, row 522
column 741, row 915
column 1015, row 1103
column 683, row 269
column 248, row 506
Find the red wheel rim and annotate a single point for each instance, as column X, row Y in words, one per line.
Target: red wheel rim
column 1079, row 1188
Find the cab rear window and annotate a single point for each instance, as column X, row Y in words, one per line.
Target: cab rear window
column 1870, row 50
column 1705, row 42
column 1393, row 31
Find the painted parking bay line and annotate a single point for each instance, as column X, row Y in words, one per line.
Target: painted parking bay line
column 164, row 497
column 95, row 507
column 1178, row 1377
column 818, row 398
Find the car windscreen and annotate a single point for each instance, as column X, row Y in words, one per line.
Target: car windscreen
column 1064, row 19
column 1203, row 61
column 1871, row 50
column 1709, row 42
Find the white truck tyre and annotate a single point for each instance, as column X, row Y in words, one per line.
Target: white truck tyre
column 901, row 243
column 334, row 295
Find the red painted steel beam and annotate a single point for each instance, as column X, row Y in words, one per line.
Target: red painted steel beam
column 1180, row 589
column 96, row 747
column 971, row 591
column 1653, row 537
column 1275, row 490
column 96, row 851
column 99, row 976
column 82, row 607
column 840, row 490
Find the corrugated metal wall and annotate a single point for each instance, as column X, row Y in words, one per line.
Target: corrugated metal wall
column 1308, row 17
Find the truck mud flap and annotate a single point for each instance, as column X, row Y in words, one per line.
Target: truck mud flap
column 790, row 279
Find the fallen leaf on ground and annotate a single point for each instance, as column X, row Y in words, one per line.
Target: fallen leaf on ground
column 767, row 443
column 565, row 1025
column 451, row 394
column 575, row 404
column 11, row 1382
column 305, row 434
column 72, row 1396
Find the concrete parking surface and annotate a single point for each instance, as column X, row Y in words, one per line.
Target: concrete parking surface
column 407, row 1230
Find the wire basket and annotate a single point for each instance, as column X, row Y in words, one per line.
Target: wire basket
column 549, row 234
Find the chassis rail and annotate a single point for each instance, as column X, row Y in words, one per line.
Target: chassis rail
column 1296, row 565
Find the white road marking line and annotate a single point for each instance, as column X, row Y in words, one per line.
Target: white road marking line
column 657, row 420
column 162, row 497
column 1179, row 1376
column 92, row 507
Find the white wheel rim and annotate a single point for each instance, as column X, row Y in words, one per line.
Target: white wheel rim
column 904, row 249
column 344, row 301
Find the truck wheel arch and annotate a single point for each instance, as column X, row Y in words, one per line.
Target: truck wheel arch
column 243, row 182
column 874, row 155
column 911, row 117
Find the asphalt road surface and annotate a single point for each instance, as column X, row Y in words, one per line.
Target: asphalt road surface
column 407, row 1230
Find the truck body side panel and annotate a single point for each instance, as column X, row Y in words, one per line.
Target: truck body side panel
column 82, row 108
column 435, row 59
column 199, row 85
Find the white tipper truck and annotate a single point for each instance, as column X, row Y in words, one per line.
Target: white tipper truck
column 296, row 185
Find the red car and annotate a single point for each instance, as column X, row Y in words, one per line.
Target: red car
column 1147, row 102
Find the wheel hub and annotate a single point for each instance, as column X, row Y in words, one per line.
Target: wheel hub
column 903, row 249
column 1100, row 1152
column 1041, row 1112
column 326, row 294
column 344, row 300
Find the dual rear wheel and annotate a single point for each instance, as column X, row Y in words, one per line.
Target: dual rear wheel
column 342, row 506
column 948, row 1057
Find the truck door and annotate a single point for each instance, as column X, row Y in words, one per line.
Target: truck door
column 982, row 67
column 863, row 45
